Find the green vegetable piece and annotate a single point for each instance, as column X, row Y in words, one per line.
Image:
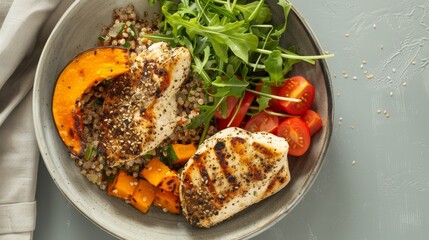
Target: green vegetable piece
column 286, row 9
column 233, row 85
column 111, row 177
column 259, row 12
column 90, row 153
column 120, row 30
column 98, row 101
column 147, row 156
column 263, row 100
column 232, row 35
column 127, row 45
column 172, row 157
column 133, row 31
column 206, row 114
column 274, row 66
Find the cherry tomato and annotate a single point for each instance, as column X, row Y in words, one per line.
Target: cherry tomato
column 297, row 134
column 313, row 120
column 297, row 87
column 238, row 119
column 274, row 104
column 262, row 122
column 230, row 106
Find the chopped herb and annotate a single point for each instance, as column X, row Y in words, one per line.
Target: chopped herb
column 120, row 30
column 90, row 153
column 133, row 31
column 127, row 45
column 171, row 154
column 111, row 177
column 147, row 156
column 98, row 101
column 164, row 157
column 101, row 39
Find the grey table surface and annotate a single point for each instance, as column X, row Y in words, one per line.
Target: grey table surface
column 375, row 180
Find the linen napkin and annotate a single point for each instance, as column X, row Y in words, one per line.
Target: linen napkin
column 25, row 26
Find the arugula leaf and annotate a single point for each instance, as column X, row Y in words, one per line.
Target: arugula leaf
column 286, row 6
column 218, row 10
column 288, row 63
column 263, row 101
column 259, row 12
column 234, row 64
column 232, row 35
column 244, row 71
column 206, row 114
column 234, row 86
column 274, row 66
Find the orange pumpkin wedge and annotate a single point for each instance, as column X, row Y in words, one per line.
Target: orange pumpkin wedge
column 86, row 70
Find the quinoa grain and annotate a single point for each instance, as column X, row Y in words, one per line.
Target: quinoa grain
column 128, row 30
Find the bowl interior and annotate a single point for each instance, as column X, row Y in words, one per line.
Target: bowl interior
column 78, row 30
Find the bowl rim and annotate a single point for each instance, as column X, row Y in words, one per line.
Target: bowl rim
column 275, row 219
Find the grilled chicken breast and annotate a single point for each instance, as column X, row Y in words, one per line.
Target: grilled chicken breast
column 139, row 111
column 230, row 171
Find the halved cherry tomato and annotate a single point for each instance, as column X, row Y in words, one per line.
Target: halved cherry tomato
column 274, row 104
column 238, row 119
column 313, row 120
column 230, row 106
column 262, row 122
column 297, row 134
column 297, row 87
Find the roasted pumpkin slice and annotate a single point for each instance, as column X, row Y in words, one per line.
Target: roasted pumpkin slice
column 83, row 72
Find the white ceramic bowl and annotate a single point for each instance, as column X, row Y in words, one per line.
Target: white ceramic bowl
column 78, row 30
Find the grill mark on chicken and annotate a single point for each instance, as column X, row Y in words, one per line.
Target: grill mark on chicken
column 263, row 150
column 279, row 180
column 201, row 198
column 224, row 156
column 221, row 157
column 205, row 176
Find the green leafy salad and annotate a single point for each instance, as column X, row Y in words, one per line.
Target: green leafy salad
column 235, row 50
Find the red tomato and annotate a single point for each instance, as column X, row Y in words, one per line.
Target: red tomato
column 274, row 104
column 313, row 120
column 230, row 105
column 262, row 122
column 297, row 134
column 297, row 87
column 244, row 107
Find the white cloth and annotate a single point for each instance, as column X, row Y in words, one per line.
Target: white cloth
column 25, row 26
